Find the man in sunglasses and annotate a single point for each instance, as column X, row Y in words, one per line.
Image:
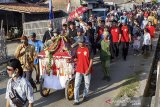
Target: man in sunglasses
column 26, row 53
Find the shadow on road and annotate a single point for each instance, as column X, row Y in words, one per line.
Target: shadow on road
column 53, row 97
column 120, row 71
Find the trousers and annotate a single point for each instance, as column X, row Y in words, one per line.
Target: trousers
column 77, row 84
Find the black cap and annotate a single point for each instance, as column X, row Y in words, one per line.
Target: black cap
column 32, row 34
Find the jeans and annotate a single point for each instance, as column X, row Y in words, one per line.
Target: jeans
column 28, row 76
column 77, row 84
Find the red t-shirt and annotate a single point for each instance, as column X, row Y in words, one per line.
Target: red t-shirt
column 100, row 32
column 125, row 34
column 146, row 14
column 83, row 60
column 151, row 30
column 115, row 34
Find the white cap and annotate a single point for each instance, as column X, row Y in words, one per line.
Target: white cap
column 81, row 17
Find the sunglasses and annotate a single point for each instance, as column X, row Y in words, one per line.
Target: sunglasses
column 9, row 69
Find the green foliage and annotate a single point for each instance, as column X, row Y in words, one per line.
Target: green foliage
column 130, row 87
column 154, row 1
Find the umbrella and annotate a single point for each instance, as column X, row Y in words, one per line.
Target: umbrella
column 79, row 11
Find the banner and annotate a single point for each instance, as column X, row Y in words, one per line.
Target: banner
column 79, row 11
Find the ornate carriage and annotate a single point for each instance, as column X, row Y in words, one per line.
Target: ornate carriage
column 56, row 71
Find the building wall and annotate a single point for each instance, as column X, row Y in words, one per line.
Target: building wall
column 62, row 4
column 116, row 1
column 122, row 1
column 7, row 1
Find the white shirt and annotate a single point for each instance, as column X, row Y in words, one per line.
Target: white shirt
column 144, row 24
column 23, row 88
column 136, row 42
column 82, row 25
column 147, row 39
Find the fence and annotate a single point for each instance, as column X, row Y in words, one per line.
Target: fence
column 157, row 93
column 39, row 27
column 3, row 47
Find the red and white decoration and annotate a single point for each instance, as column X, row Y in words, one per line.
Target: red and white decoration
column 79, row 11
column 61, row 70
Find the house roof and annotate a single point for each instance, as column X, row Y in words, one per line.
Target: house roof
column 89, row 1
column 23, row 8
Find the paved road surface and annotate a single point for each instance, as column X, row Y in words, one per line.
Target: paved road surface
column 100, row 90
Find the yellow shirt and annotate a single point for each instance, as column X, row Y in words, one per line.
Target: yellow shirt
column 26, row 56
column 151, row 18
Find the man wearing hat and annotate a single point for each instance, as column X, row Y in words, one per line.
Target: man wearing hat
column 78, row 37
column 84, row 61
column 124, row 18
column 25, row 53
column 105, row 55
column 38, row 48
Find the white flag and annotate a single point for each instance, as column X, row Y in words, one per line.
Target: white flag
column 68, row 6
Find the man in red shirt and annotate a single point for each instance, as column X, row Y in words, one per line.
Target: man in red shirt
column 83, row 69
column 125, row 39
column 151, row 30
column 115, row 38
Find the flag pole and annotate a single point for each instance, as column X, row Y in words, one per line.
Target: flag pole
column 68, row 6
column 51, row 15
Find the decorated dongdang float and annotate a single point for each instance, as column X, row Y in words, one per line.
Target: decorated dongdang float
column 56, row 69
column 56, row 66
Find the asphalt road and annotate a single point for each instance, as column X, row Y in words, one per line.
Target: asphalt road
column 101, row 92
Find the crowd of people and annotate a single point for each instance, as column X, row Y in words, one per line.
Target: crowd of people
column 107, row 38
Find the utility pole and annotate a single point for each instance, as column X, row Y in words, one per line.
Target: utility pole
column 3, row 47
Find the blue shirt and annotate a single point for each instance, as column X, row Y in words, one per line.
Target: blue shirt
column 37, row 44
column 38, row 47
column 124, row 19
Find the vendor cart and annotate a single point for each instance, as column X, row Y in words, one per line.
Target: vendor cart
column 56, row 71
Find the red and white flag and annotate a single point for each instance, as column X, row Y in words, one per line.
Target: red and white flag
column 78, row 12
column 68, row 6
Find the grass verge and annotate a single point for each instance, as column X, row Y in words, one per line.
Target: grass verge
column 130, row 86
